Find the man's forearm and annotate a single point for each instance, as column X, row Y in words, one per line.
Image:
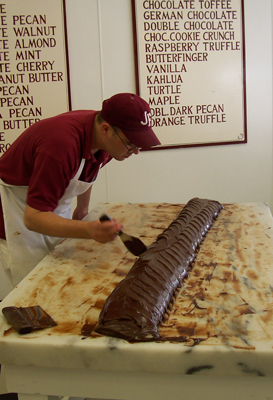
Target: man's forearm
column 50, row 224
column 84, row 199
column 82, row 208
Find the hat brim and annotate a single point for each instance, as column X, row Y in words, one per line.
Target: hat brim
column 144, row 139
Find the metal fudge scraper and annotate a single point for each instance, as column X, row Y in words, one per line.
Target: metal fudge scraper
column 133, row 244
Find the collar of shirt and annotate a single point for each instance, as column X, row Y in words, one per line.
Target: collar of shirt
column 100, row 156
column 88, row 134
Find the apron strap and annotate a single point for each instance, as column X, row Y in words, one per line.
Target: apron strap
column 78, row 174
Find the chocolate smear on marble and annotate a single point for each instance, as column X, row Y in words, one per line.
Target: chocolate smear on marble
column 138, row 305
column 194, row 370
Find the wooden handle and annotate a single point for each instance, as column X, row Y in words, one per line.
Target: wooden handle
column 105, row 217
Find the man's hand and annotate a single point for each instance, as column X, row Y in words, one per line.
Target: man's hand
column 104, row 232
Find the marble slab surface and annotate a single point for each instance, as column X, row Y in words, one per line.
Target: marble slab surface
column 224, row 309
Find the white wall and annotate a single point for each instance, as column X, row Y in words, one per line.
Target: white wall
column 102, row 64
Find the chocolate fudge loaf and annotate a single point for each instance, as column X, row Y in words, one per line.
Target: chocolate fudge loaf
column 137, row 306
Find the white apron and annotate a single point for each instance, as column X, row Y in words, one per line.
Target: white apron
column 27, row 248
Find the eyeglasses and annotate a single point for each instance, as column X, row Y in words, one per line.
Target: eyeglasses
column 130, row 149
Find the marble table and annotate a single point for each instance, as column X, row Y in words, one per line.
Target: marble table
column 224, row 309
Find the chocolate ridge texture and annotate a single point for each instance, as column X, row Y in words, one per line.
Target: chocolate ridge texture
column 137, row 306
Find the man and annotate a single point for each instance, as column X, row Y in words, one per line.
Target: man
column 52, row 162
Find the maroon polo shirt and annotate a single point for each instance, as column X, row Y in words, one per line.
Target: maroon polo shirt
column 47, row 155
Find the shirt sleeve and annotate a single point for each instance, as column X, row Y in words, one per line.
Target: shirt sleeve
column 48, row 182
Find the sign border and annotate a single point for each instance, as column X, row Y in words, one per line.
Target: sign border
column 137, row 79
column 67, row 56
column 63, row 51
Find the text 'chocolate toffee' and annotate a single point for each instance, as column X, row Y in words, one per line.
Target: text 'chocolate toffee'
column 137, row 306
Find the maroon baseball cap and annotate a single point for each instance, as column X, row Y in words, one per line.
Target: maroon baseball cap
column 132, row 115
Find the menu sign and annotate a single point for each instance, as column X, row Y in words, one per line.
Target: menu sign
column 190, row 68
column 33, row 65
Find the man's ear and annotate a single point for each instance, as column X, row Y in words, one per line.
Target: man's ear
column 105, row 129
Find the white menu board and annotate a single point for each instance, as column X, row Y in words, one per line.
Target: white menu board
column 34, row 82
column 190, row 68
